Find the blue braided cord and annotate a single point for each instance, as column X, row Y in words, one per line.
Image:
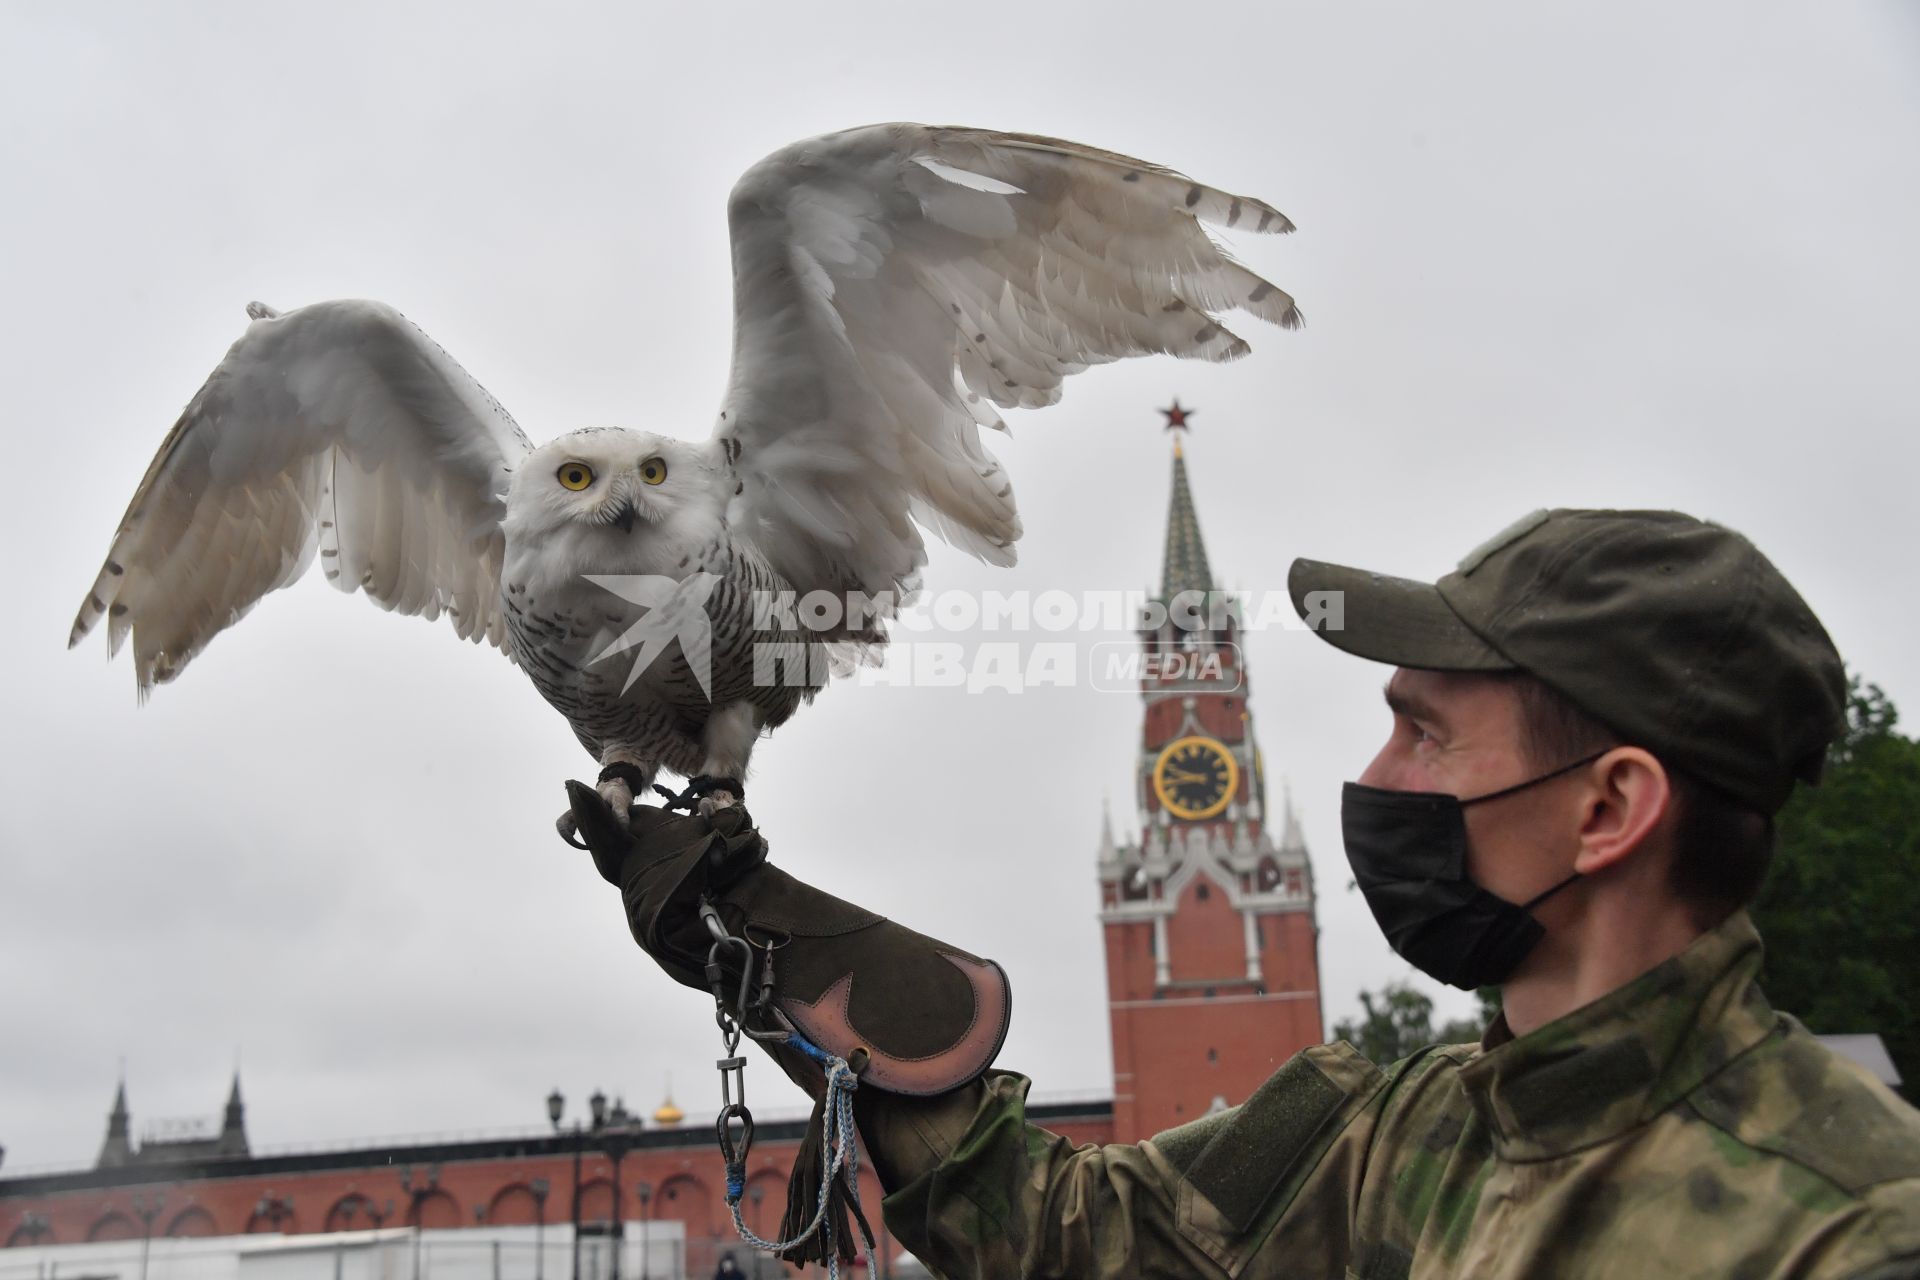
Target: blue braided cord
column 840, row 1151
column 736, row 1182
column 812, row 1050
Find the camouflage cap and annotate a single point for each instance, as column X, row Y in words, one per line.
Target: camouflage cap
column 1675, row 633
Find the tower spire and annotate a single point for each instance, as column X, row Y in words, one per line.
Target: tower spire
column 118, row 1148
column 1291, row 838
column 1185, row 567
column 233, row 1125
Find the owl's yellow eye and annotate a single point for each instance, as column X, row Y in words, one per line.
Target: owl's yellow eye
column 653, row 470
column 576, row 475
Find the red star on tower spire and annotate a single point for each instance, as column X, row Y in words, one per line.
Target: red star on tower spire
column 1177, row 417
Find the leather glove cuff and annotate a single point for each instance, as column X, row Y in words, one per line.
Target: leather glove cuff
column 928, row 1015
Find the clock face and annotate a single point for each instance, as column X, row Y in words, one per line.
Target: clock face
column 1195, row 777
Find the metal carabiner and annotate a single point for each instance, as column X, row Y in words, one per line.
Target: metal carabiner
column 763, row 997
column 717, row 974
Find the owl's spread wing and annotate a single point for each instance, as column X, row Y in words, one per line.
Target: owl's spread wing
column 339, row 428
column 893, row 284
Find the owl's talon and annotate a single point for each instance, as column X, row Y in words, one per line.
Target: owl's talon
column 619, row 798
column 705, row 795
column 569, row 828
column 619, row 782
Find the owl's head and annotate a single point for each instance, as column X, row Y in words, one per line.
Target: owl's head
column 612, row 480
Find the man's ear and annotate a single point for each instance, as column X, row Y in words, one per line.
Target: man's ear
column 1627, row 804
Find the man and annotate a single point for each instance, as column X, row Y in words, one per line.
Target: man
column 1594, row 719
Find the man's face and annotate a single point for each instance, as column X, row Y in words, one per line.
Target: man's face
column 1462, row 735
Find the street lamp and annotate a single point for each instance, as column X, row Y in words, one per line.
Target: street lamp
column 556, row 1107
column 147, row 1213
column 348, row 1207
column 644, row 1193
column 35, row 1225
column 618, row 1140
column 416, row 1197
column 540, row 1188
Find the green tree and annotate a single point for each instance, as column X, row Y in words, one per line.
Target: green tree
column 1462, row 1030
column 1398, row 1020
column 1840, row 911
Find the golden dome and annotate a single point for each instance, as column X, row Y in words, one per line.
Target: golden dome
column 668, row 1114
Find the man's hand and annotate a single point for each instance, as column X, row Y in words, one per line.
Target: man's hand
column 663, row 864
column 915, row 1015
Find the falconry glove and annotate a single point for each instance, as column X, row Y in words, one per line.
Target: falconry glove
column 926, row 1016
column 910, row 1015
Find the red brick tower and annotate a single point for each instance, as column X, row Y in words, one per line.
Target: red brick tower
column 1213, row 975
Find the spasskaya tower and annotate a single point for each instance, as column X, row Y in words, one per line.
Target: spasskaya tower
column 1213, row 974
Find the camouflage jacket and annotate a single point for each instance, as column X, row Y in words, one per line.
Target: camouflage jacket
column 1676, row 1127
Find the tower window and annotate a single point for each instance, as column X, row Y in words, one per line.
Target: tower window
column 1213, row 1055
column 1202, row 892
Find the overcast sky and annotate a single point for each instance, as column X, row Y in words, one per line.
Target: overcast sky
column 1649, row 255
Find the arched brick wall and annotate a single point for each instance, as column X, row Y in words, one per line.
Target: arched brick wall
column 513, row 1205
column 685, row 1198
column 192, row 1221
column 113, row 1226
column 349, row 1213
column 280, row 1217
column 596, row 1200
column 436, row 1209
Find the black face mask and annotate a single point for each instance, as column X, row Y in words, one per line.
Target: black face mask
column 1408, row 850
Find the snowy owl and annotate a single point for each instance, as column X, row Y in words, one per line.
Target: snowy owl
column 892, row 284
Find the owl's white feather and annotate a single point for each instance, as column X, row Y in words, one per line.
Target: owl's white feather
column 338, row 428
column 893, row 285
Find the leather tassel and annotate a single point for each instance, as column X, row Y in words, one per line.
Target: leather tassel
column 803, row 1197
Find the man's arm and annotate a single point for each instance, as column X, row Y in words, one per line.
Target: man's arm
column 975, row 1190
column 1265, row 1188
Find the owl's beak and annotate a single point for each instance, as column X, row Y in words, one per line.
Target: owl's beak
column 624, row 517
